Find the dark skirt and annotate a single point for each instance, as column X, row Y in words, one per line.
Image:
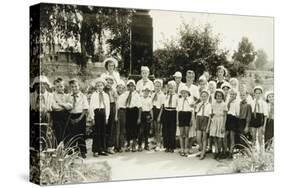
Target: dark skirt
column 231, row 123
column 201, row 123
column 169, row 129
column 257, row 121
column 131, row 123
column 184, row 119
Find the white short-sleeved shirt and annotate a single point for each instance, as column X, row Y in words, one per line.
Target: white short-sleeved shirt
column 160, row 99
column 60, row 98
column 174, row 101
column 184, row 104
column 181, row 84
column 121, row 101
column 135, row 100
column 81, row 103
column 141, row 84
column 146, row 104
column 262, row 107
column 207, row 109
column 194, row 91
column 234, row 108
column 95, row 104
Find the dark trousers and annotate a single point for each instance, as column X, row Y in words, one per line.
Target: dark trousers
column 120, row 129
column 110, row 127
column 144, row 128
column 269, row 132
column 60, row 125
column 131, row 124
column 169, row 129
column 99, row 131
column 77, row 133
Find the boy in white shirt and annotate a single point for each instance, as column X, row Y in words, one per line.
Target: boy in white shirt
column 120, row 117
column 184, row 113
column 61, row 104
column 259, row 116
column 158, row 99
column 203, row 118
column 178, row 77
column 146, row 119
column 144, row 81
column 99, row 113
column 78, row 117
column 133, row 115
column 169, row 118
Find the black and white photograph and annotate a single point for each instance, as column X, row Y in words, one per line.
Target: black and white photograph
column 129, row 94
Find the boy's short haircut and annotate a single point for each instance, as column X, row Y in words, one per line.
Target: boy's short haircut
column 73, row 81
column 58, row 80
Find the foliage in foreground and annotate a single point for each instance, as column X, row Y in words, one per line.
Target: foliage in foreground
column 249, row 159
column 64, row 166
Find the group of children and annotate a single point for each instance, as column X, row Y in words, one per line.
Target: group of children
column 124, row 116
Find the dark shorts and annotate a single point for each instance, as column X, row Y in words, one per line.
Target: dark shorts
column 258, row 121
column 201, row 123
column 184, row 119
column 231, row 123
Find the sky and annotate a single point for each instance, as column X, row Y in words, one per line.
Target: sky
column 259, row 30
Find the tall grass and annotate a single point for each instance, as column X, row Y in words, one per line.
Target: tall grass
column 62, row 164
column 251, row 159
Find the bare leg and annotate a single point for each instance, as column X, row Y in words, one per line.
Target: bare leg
column 220, row 144
column 199, row 139
column 215, row 139
column 203, row 153
column 260, row 139
column 232, row 141
column 225, row 142
column 186, row 141
column 182, row 139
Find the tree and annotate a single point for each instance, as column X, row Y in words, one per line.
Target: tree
column 261, row 59
column 197, row 49
column 245, row 53
column 91, row 23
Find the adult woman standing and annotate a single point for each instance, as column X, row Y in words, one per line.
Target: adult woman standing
column 111, row 65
